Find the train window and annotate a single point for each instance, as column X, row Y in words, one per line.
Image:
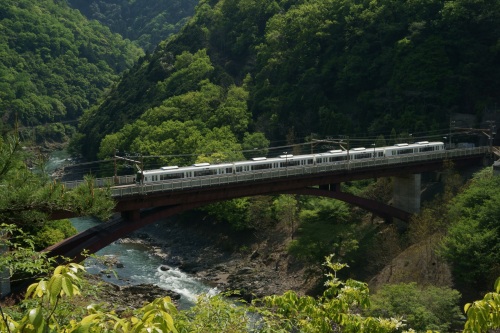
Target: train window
column 239, row 169
column 431, row 148
column 171, row 176
column 229, row 170
column 310, row 161
column 262, row 166
column 204, row 173
column 364, row 155
column 405, row 151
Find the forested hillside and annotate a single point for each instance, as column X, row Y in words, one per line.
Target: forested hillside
column 144, row 22
column 328, row 67
column 54, row 63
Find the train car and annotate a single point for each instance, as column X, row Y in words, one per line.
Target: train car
column 331, row 156
column 360, row 153
column 284, row 161
column 413, row 148
column 175, row 172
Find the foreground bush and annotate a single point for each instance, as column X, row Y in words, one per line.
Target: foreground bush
column 337, row 310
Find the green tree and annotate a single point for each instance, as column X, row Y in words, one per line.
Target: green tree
column 422, row 308
column 472, row 244
column 27, row 198
column 255, row 145
column 53, row 232
column 484, row 315
column 233, row 112
column 285, row 210
column 142, row 21
column 54, row 74
column 338, row 308
column 234, row 212
column 324, row 228
column 18, row 255
column 213, row 314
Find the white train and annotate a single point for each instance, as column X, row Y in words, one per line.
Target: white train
column 262, row 163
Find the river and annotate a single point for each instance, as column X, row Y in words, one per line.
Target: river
column 140, row 264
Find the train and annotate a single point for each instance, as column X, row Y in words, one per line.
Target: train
column 167, row 173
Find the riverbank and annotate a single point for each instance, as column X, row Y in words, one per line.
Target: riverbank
column 255, row 265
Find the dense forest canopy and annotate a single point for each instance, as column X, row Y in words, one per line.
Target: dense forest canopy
column 54, row 63
column 239, row 74
column 144, row 22
column 327, row 67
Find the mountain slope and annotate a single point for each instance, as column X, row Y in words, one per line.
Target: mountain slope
column 329, row 67
column 54, row 63
column 144, row 22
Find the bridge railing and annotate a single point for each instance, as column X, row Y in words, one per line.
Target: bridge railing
column 125, row 185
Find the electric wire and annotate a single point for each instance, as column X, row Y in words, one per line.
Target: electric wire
column 304, row 145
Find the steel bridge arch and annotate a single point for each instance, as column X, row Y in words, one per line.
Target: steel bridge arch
column 100, row 236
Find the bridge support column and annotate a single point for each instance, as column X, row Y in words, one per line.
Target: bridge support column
column 131, row 215
column 406, row 192
column 496, row 168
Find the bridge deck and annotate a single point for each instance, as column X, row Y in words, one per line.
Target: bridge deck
column 149, row 203
column 124, row 185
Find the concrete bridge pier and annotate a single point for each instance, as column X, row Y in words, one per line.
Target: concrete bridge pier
column 406, row 192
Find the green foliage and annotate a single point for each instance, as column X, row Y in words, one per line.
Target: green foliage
column 324, row 228
column 27, row 198
column 213, row 314
column 187, row 71
column 153, row 317
column 472, row 244
column 336, row 310
column 18, row 253
column 422, row 308
column 207, row 122
column 53, row 232
column 339, row 308
column 234, row 212
column 54, row 63
column 484, row 315
column 53, row 132
column 46, row 313
column 285, row 209
column 255, row 145
column 142, row 21
column 328, row 67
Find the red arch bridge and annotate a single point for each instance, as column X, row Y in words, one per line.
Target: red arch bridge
column 141, row 205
